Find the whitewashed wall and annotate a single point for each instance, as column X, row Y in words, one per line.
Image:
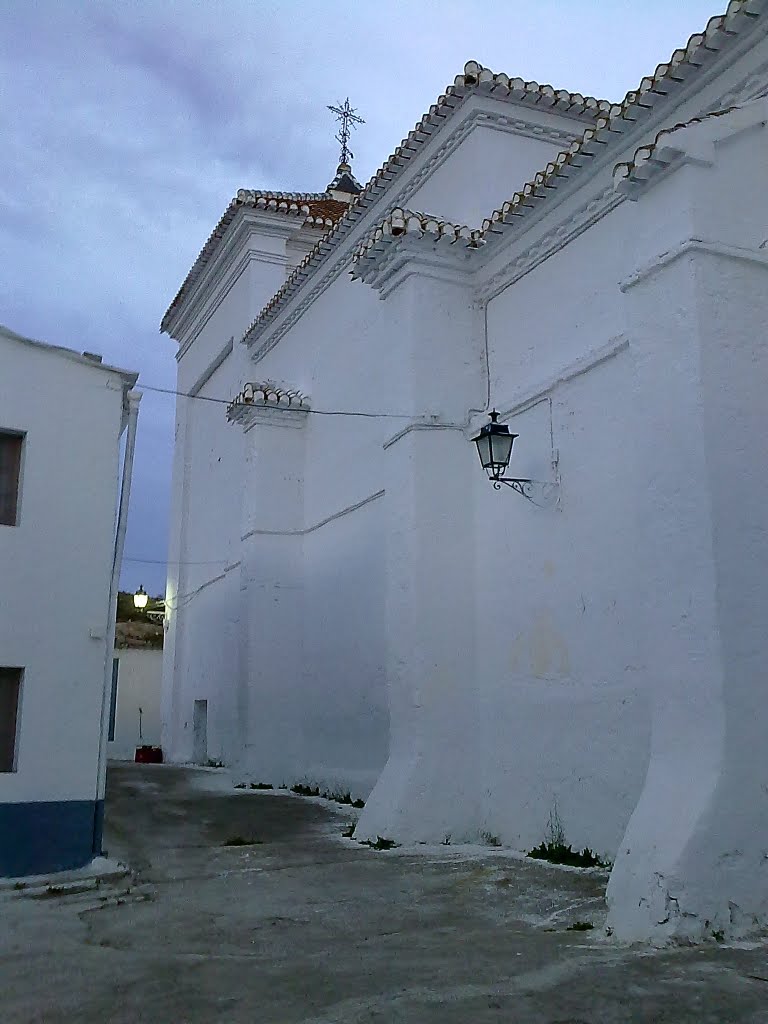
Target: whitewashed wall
column 138, row 687
column 54, row 590
column 520, row 646
column 201, row 660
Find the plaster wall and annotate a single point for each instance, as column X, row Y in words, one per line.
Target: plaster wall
column 203, row 590
column 492, row 161
column 138, row 687
column 54, row 600
column 517, row 642
column 562, row 720
column 340, row 356
column 691, row 861
column 57, row 561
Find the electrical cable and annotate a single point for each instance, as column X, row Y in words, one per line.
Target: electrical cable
column 311, row 412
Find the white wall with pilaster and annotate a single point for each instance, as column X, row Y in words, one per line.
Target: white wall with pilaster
column 201, row 659
column 692, row 861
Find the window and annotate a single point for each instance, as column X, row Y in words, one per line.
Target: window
column 113, row 700
column 10, row 466
column 10, row 686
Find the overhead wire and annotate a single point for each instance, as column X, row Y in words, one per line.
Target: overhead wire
column 311, row 412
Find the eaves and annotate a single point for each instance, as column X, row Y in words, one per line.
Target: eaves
column 556, row 218
column 220, row 274
column 480, row 111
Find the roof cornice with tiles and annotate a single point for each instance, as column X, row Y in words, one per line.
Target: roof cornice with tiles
column 476, row 80
column 693, row 140
column 608, row 133
column 609, row 124
column 318, row 210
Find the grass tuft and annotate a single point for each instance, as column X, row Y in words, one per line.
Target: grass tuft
column 559, row 853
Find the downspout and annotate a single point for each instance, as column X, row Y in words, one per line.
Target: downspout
column 133, row 399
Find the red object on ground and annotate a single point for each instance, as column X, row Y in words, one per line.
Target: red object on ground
column 149, row 755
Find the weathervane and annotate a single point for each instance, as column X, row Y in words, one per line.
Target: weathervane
column 349, row 120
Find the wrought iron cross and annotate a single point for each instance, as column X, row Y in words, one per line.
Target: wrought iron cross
column 349, row 120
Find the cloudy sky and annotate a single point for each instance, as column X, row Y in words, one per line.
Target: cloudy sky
column 127, row 125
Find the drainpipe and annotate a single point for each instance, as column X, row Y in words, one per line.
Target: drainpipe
column 133, row 398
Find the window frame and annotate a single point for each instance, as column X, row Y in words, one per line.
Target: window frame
column 21, row 436
column 16, row 734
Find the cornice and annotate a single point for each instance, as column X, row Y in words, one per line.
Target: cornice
column 689, row 245
column 693, row 141
column 220, row 273
column 268, row 403
column 456, row 135
column 561, row 233
column 689, row 71
column 406, row 242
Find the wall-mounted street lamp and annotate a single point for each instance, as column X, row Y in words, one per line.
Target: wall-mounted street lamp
column 140, row 598
column 494, row 446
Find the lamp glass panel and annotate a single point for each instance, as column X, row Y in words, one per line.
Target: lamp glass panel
column 483, row 443
column 501, row 449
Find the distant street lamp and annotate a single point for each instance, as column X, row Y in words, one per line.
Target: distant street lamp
column 140, row 599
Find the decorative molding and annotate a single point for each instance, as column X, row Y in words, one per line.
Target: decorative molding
column 477, row 118
column 692, row 142
column 733, row 252
column 422, row 426
column 551, row 242
column 399, row 198
column 752, row 87
column 323, row 522
column 219, row 276
column 268, row 403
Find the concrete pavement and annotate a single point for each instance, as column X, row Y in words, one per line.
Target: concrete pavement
column 302, row 925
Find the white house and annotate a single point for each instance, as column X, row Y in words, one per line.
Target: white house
column 62, row 415
column 352, row 603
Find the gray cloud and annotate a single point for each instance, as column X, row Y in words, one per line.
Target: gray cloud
column 129, row 124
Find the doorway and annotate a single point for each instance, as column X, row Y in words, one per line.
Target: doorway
column 200, row 732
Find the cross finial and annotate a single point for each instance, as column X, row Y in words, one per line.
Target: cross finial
column 349, row 120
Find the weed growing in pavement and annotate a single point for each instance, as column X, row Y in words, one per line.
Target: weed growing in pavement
column 580, row 926
column 339, row 798
column 262, row 785
column 303, row 790
column 348, row 832
column 241, row 841
column 380, row 844
column 555, row 830
column 489, row 839
column 559, row 853
column 555, row 851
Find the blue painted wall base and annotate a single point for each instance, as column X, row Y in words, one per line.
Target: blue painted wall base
column 44, row 836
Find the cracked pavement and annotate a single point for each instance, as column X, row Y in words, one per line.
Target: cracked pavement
column 302, row 925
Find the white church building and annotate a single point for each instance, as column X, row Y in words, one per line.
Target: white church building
column 353, row 605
